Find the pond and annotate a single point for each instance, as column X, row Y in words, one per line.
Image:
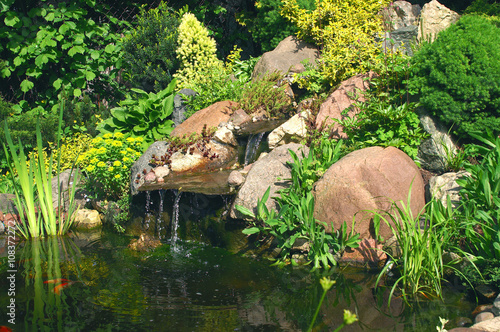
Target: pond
column 93, row 282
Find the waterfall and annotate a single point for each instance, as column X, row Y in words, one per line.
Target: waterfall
column 159, row 223
column 175, row 221
column 252, row 147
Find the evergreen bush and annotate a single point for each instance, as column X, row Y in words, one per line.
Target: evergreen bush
column 196, row 52
column 149, row 49
column 458, row 76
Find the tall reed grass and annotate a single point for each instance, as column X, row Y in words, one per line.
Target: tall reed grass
column 34, row 196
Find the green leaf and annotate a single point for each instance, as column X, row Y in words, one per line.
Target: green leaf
column 95, row 54
column 110, row 48
column 76, row 49
column 57, row 84
column 18, row 61
column 26, row 85
column 119, row 113
column 245, row 211
column 89, row 75
column 251, row 230
column 154, row 115
column 11, row 20
column 77, row 92
column 50, row 16
column 41, row 60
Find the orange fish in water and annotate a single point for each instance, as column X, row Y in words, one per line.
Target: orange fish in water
column 55, row 281
column 4, row 328
column 60, row 287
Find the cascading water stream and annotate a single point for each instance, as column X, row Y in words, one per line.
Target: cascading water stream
column 252, row 147
column 159, row 223
column 148, row 203
column 175, row 221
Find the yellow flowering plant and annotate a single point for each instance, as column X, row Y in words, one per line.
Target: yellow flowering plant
column 108, row 162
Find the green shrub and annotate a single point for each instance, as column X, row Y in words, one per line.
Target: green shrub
column 108, row 162
column 488, row 7
column 196, row 52
column 344, row 30
column 56, row 46
column 220, row 87
column 149, row 49
column 457, row 78
column 386, row 117
column 143, row 115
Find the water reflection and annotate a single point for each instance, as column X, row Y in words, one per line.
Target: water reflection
column 103, row 286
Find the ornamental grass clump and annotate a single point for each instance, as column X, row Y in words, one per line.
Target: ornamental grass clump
column 108, row 162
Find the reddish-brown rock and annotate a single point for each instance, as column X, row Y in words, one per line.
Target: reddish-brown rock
column 340, row 99
column 211, row 116
column 367, row 179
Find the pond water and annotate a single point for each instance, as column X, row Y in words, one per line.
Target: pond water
column 93, row 282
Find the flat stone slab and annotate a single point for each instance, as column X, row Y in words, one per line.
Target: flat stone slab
column 208, row 183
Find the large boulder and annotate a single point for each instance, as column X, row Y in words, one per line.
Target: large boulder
column 341, row 99
column 367, row 179
column 269, row 171
column 286, row 57
column 210, row 117
column 435, row 18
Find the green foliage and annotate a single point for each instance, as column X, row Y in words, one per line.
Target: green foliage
column 108, row 162
column 266, row 24
column 243, row 69
column 295, row 222
column 81, row 114
column 488, row 7
column 454, row 76
column 220, row 87
column 262, row 94
column 481, row 198
column 149, row 49
column 386, row 118
column 143, row 115
column 420, row 262
column 34, row 199
column 196, row 51
column 51, row 47
column 344, row 30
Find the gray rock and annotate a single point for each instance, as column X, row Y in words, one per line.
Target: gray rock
column 496, row 306
column 269, row 171
column 178, row 115
column 401, row 39
column 442, row 186
column 434, row 152
column 235, row 179
column 401, row 14
column 158, row 148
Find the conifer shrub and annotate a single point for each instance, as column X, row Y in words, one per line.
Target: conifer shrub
column 196, row 52
column 344, row 30
column 149, row 49
column 457, row 77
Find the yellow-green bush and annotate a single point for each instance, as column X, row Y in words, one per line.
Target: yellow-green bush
column 70, row 149
column 344, row 30
column 196, row 51
column 107, row 164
